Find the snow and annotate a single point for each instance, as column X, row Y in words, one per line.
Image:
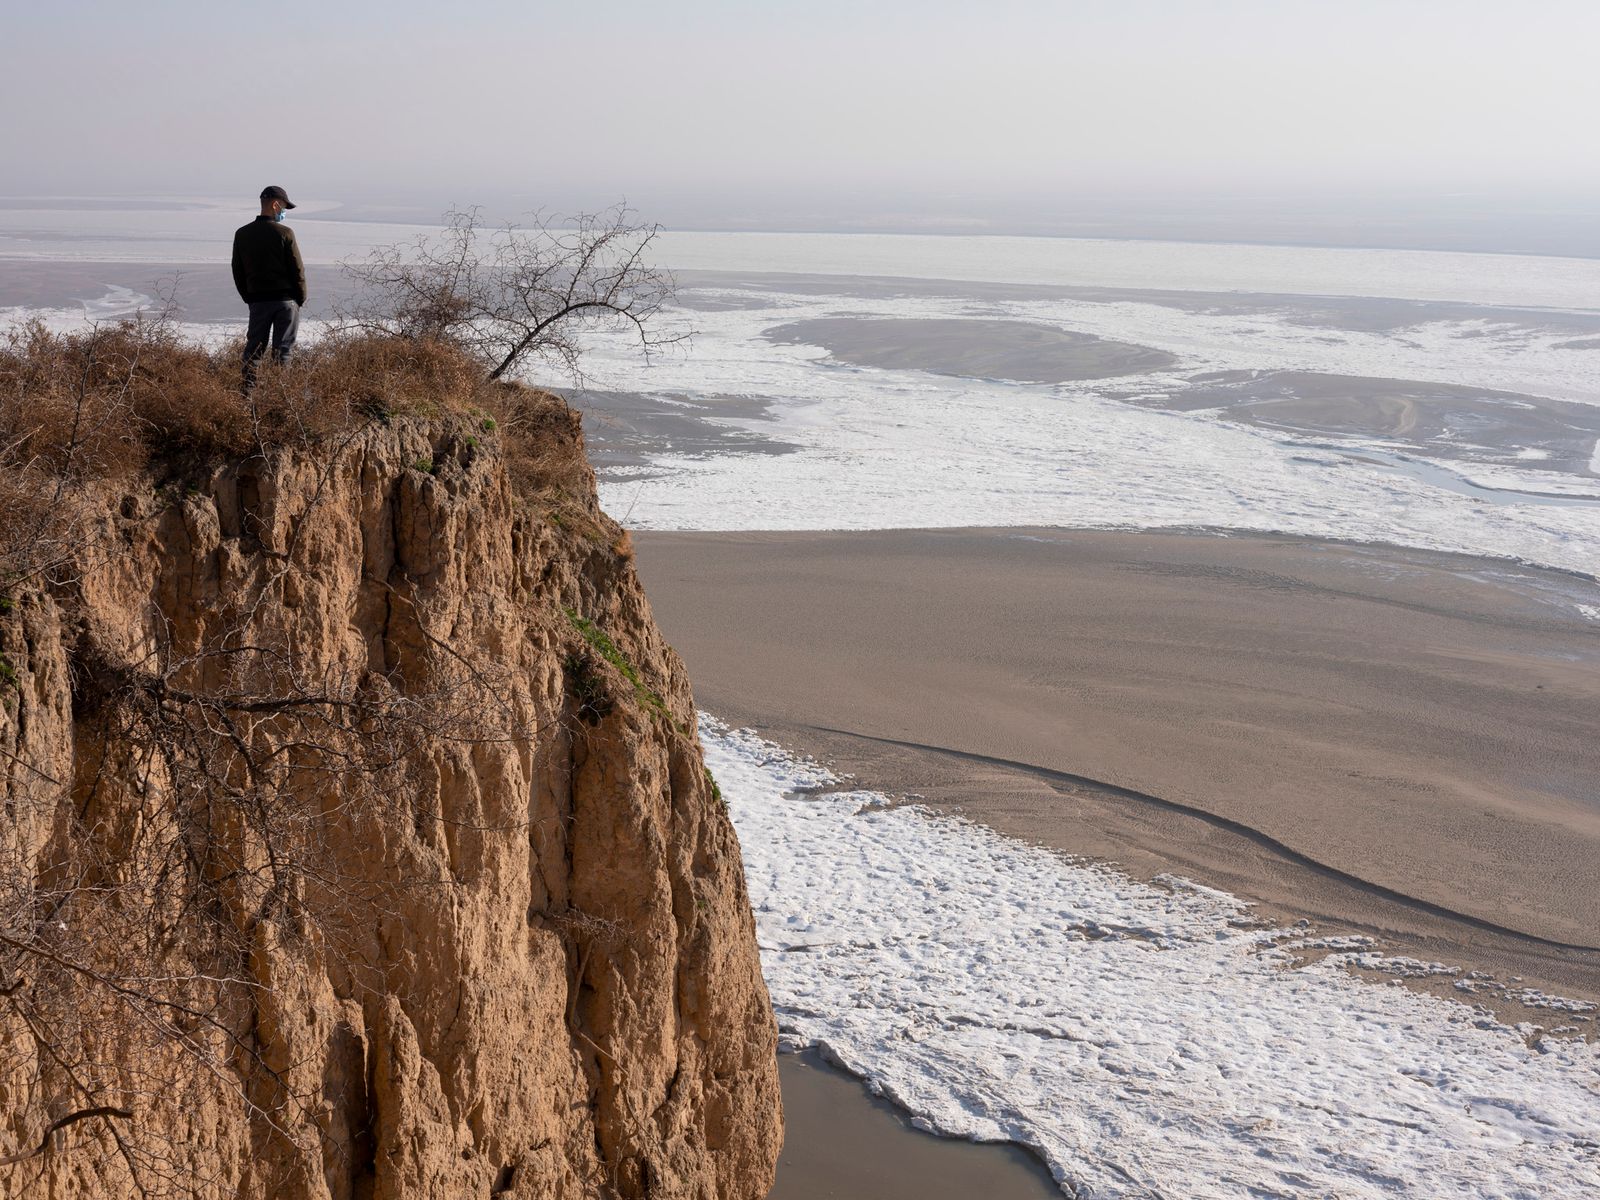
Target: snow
column 115, row 303
column 1146, row 1040
column 190, row 229
column 1498, row 279
column 1532, row 482
column 908, row 449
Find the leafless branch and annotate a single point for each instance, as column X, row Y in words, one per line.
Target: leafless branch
column 513, row 295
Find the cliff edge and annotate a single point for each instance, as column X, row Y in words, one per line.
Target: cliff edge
column 359, row 842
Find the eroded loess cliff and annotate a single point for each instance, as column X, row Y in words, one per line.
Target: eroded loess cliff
column 370, row 848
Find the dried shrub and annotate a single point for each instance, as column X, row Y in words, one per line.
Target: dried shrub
column 39, row 529
column 540, row 438
column 92, row 404
column 347, row 380
column 109, row 402
column 221, row 780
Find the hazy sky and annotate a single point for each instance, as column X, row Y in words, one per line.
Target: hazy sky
column 713, row 106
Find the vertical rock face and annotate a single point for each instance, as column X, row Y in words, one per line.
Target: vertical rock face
column 534, row 972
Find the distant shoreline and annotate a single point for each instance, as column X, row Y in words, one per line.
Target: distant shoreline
column 80, row 234
column 1225, row 231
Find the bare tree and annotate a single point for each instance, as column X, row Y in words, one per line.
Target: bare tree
column 511, row 294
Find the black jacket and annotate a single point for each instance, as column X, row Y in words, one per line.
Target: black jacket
column 266, row 262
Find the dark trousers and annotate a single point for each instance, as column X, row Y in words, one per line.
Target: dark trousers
column 277, row 320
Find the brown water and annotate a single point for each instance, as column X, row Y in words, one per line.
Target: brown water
column 843, row 1143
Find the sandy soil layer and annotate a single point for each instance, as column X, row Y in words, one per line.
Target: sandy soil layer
column 1025, row 351
column 1380, row 740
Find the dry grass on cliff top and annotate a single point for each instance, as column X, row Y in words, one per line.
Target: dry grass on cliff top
column 113, row 402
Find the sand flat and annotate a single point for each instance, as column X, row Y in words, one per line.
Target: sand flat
column 1383, row 740
column 1023, row 351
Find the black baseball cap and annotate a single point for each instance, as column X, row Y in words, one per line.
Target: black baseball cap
column 277, row 193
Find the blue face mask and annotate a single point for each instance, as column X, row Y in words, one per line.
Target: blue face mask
column 279, row 215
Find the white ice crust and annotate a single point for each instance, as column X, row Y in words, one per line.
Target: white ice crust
column 1147, row 1041
column 882, row 449
column 1497, row 279
column 885, row 449
column 197, row 229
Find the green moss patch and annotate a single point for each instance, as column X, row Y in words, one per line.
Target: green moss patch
column 600, row 642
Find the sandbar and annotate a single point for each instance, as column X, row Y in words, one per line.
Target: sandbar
column 1378, row 740
column 1023, row 351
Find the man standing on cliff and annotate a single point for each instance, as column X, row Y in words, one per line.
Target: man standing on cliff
column 271, row 279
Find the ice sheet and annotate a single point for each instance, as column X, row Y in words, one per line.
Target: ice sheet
column 1147, row 1041
column 899, row 449
column 197, row 229
column 907, row 449
column 1180, row 266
